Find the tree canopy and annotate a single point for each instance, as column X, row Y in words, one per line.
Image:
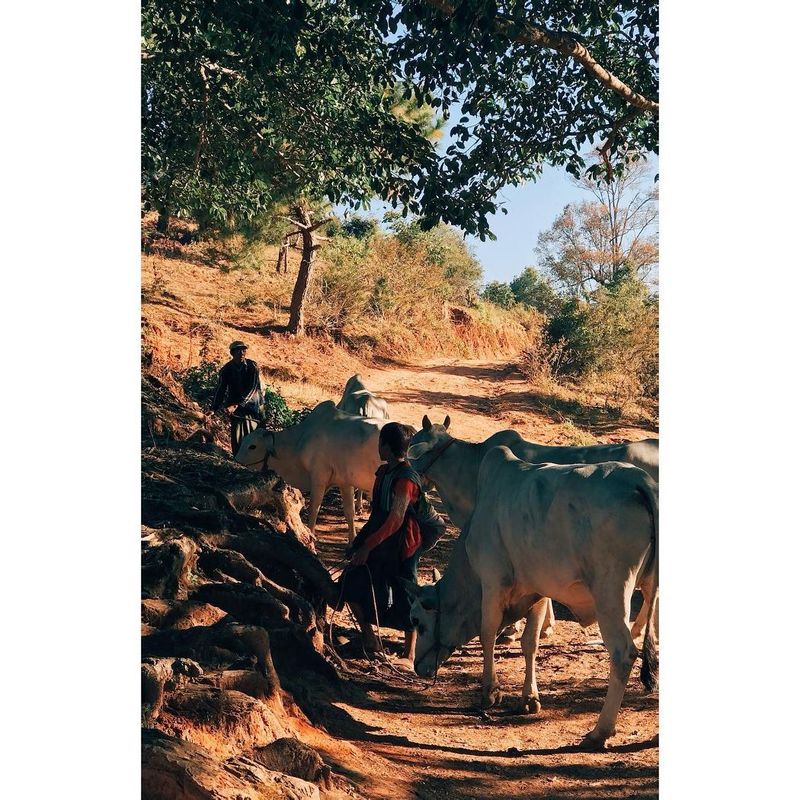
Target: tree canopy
column 245, row 102
column 537, row 81
column 532, row 289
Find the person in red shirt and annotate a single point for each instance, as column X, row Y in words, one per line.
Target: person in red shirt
column 386, row 551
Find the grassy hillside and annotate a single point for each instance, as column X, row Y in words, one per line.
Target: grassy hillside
column 199, row 296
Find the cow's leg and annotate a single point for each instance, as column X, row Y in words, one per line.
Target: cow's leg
column 536, row 619
column 349, row 511
column 549, row 620
column 491, row 617
column 641, row 618
column 317, row 493
column 613, row 612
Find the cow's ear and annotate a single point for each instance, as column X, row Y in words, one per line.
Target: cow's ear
column 412, row 588
column 446, row 422
column 426, row 423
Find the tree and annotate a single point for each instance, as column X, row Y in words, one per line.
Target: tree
column 498, row 293
column 537, row 81
column 443, row 248
column 531, row 289
column 594, row 244
column 246, row 105
column 250, row 103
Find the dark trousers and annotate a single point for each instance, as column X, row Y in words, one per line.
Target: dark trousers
column 240, row 427
column 391, row 599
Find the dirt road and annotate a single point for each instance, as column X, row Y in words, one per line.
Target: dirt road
column 484, row 396
column 422, row 741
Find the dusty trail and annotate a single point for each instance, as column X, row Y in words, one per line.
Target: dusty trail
column 432, row 742
column 483, row 396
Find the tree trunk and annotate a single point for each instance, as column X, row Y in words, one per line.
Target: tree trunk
column 162, row 224
column 297, row 323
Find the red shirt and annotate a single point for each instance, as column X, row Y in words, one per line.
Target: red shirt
column 413, row 536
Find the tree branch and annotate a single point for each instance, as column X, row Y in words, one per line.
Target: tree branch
column 320, row 223
column 295, row 222
column 566, row 46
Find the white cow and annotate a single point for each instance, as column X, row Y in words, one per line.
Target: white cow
column 328, row 448
column 452, row 466
column 585, row 535
column 358, row 400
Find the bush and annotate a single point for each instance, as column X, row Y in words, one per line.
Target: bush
column 340, row 292
column 277, row 414
column 360, row 227
column 498, row 293
column 613, row 338
column 531, row 289
column 200, row 383
column 572, row 326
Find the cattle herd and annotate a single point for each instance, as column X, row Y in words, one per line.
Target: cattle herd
column 575, row 524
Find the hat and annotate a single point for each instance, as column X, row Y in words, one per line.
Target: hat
column 237, row 345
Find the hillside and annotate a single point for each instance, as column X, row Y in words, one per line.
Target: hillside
column 200, row 296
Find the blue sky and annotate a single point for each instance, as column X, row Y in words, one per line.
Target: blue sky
column 532, row 208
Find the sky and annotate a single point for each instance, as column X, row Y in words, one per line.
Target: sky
column 532, row 208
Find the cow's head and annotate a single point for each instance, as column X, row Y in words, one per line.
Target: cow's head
column 426, row 444
column 256, row 448
column 440, row 631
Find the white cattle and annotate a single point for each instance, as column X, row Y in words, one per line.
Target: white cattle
column 359, row 401
column 452, row 465
column 585, row 535
column 328, row 448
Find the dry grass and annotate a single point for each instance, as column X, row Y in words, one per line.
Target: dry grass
column 199, row 296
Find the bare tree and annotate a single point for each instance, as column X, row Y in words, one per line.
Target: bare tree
column 305, row 226
column 592, row 244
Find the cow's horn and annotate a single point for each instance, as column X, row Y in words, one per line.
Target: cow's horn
column 410, row 587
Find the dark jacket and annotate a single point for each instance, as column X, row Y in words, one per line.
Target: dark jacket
column 238, row 384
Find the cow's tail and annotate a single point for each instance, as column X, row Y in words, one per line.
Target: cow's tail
column 649, row 672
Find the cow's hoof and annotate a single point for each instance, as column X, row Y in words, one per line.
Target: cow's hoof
column 531, row 705
column 492, row 698
column 593, row 742
column 546, row 632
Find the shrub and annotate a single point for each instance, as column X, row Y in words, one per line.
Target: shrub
column 572, row 326
column 614, row 338
column 360, row 227
column 498, row 293
column 200, row 382
column 531, row 289
column 277, row 414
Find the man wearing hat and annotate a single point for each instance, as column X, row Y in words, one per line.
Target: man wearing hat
column 239, row 389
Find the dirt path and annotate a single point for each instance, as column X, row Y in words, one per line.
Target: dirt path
column 484, row 396
column 419, row 741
